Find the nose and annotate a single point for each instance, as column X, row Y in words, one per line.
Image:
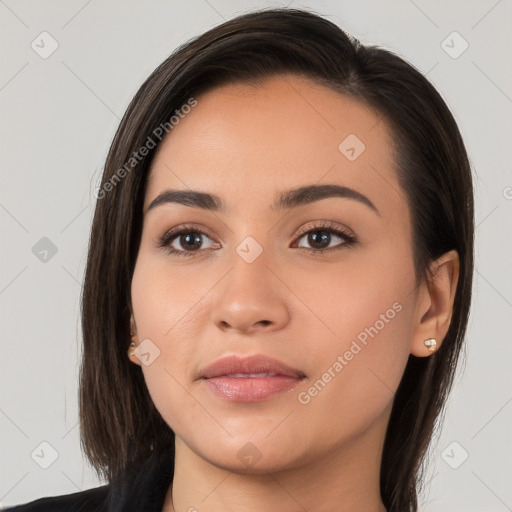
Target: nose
column 250, row 299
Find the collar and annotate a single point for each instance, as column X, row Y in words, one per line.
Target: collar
column 143, row 486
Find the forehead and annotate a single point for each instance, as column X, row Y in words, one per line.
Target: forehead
column 244, row 143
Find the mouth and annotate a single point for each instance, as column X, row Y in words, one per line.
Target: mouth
column 250, row 379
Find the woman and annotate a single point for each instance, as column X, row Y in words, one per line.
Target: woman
column 278, row 281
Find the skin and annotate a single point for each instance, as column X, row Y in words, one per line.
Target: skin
column 248, row 144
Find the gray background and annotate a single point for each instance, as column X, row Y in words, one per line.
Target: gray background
column 59, row 115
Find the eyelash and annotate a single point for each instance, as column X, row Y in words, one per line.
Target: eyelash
column 167, row 238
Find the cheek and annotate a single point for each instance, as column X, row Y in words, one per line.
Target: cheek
column 364, row 298
column 356, row 375
column 169, row 308
column 166, row 301
column 367, row 321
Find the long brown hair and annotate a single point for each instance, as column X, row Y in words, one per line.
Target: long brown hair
column 119, row 422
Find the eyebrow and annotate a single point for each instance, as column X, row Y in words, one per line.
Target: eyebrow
column 286, row 200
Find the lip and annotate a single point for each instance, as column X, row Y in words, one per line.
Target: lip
column 250, row 378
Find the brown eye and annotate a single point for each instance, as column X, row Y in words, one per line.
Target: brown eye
column 185, row 241
column 322, row 238
column 189, row 241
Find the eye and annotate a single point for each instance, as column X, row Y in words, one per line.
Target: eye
column 184, row 241
column 320, row 238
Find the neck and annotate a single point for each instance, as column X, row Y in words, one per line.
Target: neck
column 346, row 479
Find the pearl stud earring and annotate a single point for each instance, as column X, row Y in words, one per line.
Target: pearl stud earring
column 431, row 344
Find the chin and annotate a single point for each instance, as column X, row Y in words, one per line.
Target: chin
column 250, row 464
column 248, row 454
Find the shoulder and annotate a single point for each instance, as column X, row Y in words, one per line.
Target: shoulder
column 142, row 487
column 93, row 500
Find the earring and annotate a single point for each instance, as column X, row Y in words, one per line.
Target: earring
column 131, row 350
column 431, row 344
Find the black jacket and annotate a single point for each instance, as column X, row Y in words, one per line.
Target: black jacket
column 142, row 488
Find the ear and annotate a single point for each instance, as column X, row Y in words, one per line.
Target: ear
column 134, row 338
column 435, row 303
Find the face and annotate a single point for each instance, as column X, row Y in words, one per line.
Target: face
column 274, row 325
